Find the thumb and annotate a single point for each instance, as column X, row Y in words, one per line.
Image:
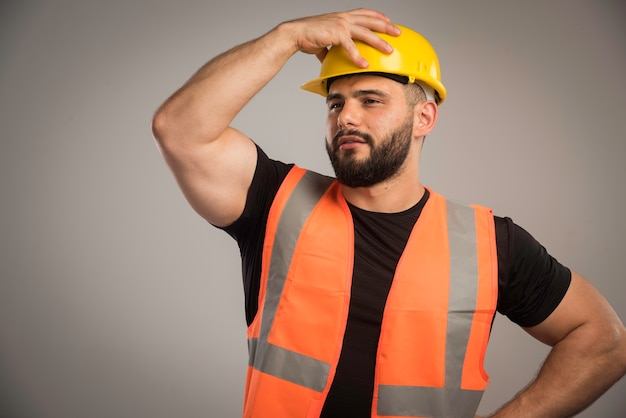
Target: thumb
column 321, row 54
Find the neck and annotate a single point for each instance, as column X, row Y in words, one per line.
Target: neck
column 391, row 196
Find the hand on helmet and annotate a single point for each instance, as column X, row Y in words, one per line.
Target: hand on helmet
column 314, row 35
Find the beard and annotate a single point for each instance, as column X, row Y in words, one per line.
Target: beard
column 383, row 163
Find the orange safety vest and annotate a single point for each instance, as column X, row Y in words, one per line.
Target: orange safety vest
column 436, row 321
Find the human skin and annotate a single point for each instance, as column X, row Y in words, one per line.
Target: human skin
column 214, row 165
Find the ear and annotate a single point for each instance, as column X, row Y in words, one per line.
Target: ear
column 424, row 118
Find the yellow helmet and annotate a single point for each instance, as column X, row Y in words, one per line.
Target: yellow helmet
column 412, row 57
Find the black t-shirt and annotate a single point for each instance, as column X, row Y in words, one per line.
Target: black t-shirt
column 531, row 283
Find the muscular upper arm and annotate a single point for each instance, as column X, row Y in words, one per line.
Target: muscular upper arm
column 584, row 311
column 214, row 176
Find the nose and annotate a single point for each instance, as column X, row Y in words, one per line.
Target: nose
column 348, row 116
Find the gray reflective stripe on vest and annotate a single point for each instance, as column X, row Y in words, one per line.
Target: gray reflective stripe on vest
column 265, row 357
column 450, row 401
column 413, row 401
column 288, row 365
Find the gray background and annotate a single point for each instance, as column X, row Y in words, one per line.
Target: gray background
column 117, row 300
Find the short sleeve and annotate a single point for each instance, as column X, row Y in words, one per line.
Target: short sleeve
column 249, row 229
column 532, row 283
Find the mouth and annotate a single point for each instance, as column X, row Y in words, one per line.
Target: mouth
column 349, row 140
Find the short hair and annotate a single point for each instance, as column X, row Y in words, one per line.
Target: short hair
column 414, row 94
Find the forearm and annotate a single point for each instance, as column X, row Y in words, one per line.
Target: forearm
column 573, row 376
column 206, row 104
column 213, row 163
column 204, row 107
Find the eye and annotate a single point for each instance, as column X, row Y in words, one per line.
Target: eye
column 334, row 105
column 371, row 101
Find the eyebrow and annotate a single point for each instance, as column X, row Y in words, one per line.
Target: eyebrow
column 358, row 93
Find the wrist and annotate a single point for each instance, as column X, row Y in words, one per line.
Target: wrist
column 285, row 37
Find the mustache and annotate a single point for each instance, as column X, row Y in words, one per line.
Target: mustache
column 352, row 132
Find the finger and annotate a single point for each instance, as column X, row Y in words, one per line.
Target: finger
column 321, row 54
column 353, row 53
column 368, row 37
column 373, row 39
column 370, row 26
column 373, row 20
column 366, row 28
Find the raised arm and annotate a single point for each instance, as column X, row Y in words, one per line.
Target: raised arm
column 214, row 163
column 588, row 355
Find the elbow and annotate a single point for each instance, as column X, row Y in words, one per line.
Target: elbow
column 612, row 343
column 166, row 132
column 178, row 130
column 620, row 349
column 160, row 127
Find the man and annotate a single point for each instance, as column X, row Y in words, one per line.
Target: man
column 372, row 295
